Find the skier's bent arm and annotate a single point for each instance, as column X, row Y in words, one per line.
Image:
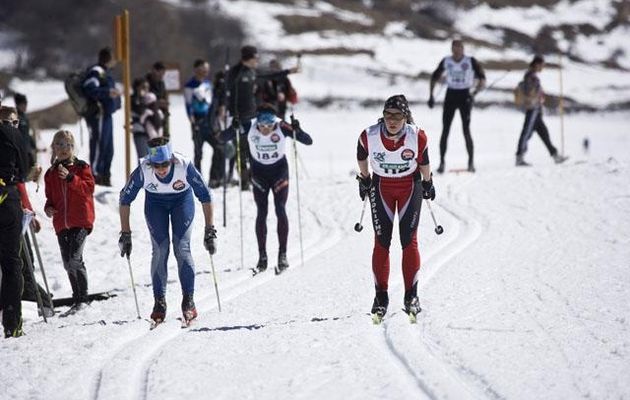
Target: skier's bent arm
column 425, row 170
column 363, row 168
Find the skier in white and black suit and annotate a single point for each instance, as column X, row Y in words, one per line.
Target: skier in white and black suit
column 270, row 172
column 461, row 72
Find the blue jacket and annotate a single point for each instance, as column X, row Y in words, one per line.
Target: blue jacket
column 198, row 96
column 97, row 85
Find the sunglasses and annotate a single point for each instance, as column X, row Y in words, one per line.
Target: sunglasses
column 266, row 126
column 393, row 116
column 164, row 164
column 63, row 145
column 13, row 122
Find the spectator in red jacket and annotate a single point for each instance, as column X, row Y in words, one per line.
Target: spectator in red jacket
column 70, row 203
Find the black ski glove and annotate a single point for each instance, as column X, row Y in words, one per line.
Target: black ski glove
column 431, row 101
column 295, row 124
column 365, row 183
column 236, row 124
column 209, row 239
column 428, row 190
column 124, row 243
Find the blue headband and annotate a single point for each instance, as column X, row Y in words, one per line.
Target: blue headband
column 160, row 154
column 265, row 117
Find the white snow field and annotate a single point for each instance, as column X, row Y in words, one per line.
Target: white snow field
column 525, row 295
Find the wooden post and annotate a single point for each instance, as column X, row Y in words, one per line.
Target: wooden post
column 126, row 60
column 561, row 105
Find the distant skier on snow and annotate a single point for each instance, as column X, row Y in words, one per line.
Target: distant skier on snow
column 169, row 180
column 399, row 157
column 266, row 135
column 532, row 99
column 461, row 72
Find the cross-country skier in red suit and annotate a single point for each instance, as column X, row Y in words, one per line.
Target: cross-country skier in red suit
column 399, row 159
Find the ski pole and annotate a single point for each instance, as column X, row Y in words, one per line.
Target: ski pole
column 214, row 277
column 133, row 286
column 358, row 227
column 438, row 228
column 38, row 296
column 239, row 169
column 297, row 186
column 41, row 267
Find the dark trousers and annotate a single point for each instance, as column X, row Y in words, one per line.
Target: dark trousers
column 534, row 122
column 273, row 178
column 202, row 133
column 10, row 262
column 101, row 143
column 71, row 243
column 457, row 100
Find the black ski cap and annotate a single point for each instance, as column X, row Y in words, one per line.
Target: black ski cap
column 398, row 102
column 248, row 52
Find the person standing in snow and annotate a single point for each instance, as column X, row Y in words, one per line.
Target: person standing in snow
column 199, row 108
column 13, row 170
column 461, row 72
column 169, row 180
column 70, row 203
column 398, row 154
column 266, row 136
column 533, row 100
column 100, row 88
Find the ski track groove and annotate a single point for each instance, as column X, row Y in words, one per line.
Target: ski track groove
column 328, row 238
column 469, row 230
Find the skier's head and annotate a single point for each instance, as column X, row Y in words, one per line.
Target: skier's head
column 396, row 113
column 160, row 155
column 265, row 117
column 201, row 68
column 457, row 49
column 537, row 63
column 62, row 147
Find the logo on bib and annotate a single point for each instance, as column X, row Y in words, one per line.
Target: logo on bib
column 275, row 138
column 179, row 185
column 407, row 154
column 379, row 157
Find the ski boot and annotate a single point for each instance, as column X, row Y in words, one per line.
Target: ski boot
column 558, row 159
column 159, row 310
column 412, row 308
column 282, row 263
column 379, row 306
column 17, row 332
column 471, row 167
column 440, row 169
column 188, row 310
column 261, row 266
column 520, row 162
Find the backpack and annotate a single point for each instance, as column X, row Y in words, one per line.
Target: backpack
column 519, row 94
column 73, row 84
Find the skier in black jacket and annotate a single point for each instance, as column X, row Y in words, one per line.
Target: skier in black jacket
column 13, row 169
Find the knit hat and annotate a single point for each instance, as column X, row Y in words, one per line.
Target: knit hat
column 248, row 52
column 398, row 102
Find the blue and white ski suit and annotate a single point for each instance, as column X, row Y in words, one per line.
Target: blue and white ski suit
column 169, row 197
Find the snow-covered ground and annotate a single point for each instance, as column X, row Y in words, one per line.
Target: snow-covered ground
column 525, row 295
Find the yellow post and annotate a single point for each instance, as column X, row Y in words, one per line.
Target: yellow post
column 118, row 50
column 561, row 105
column 126, row 60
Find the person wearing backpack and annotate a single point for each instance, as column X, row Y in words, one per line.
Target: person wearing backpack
column 13, row 170
column 100, row 88
column 530, row 97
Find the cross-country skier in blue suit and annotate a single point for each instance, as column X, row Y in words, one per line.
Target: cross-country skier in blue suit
column 169, row 180
column 266, row 135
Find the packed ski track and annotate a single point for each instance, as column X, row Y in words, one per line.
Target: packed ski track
column 523, row 295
